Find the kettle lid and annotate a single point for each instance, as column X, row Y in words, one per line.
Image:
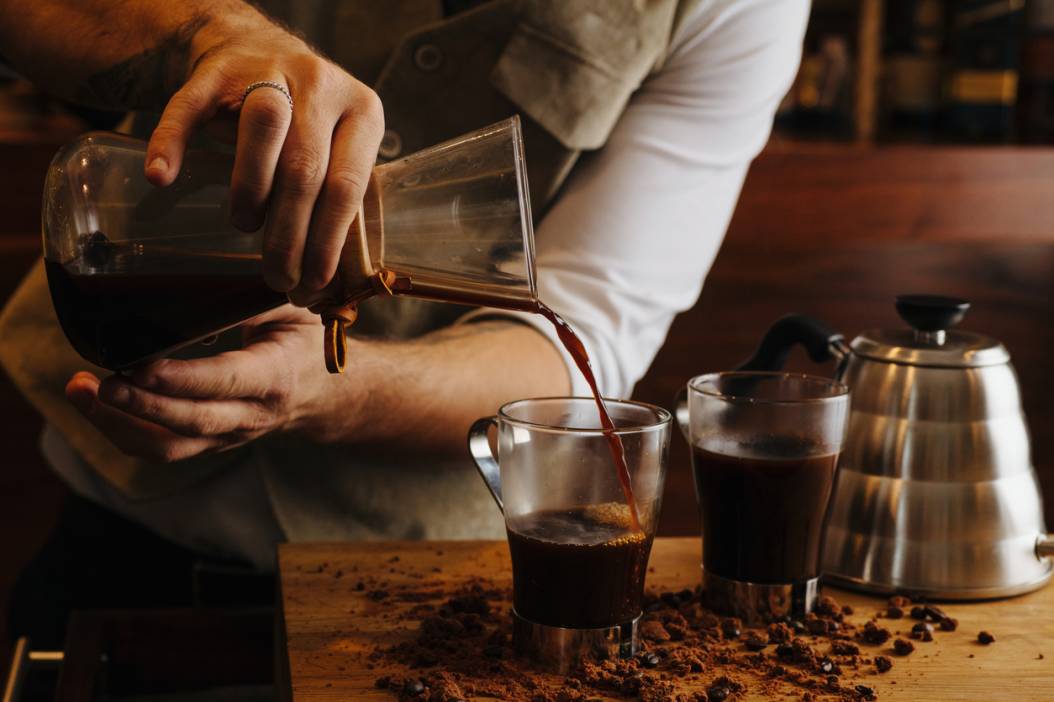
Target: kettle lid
column 931, row 341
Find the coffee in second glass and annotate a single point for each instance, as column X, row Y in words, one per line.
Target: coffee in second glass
column 764, row 454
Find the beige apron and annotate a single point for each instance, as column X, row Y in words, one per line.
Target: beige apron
column 568, row 67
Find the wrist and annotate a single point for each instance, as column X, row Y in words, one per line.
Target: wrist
column 334, row 406
column 226, row 24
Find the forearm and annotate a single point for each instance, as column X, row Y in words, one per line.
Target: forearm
column 118, row 55
column 425, row 393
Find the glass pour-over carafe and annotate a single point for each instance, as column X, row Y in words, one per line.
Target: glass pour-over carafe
column 137, row 271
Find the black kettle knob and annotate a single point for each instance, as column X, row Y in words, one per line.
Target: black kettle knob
column 931, row 313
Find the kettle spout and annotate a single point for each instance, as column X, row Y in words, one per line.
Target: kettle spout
column 1045, row 546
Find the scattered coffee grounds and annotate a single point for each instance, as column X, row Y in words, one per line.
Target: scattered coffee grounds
column 731, row 628
column 985, row 638
column 874, row 634
column 779, row 633
column 722, row 688
column 754, row 642
column 462, row 648
column 844, row 648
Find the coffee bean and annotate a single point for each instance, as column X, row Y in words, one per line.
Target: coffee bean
column 918, row 613
column 895, row 612
column 883, row 663
column 826, row 665
column 785, row 650
column 717, row 693
column 649, row 660
column 985, row 638
column 413, row 687
column 865, row 692
column 923, row 631
column 935, row 613
column 797, row 626
column 847, row 609
column 903, row 647
column 949, row 624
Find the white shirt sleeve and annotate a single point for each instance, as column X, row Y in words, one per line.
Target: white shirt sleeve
column 633, row 233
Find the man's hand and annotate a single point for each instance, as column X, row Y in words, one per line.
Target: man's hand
column 417, row 395
column 170, row 410
column 302, row 169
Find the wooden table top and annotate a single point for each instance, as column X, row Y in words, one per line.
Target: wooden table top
column 331, row 627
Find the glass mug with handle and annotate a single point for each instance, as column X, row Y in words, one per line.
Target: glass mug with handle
column 765, row 449
column 578, row 562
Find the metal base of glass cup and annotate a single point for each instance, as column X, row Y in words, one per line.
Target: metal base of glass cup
column 557, row 649
column 758, row 603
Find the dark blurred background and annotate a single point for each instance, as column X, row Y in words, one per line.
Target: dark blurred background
column 929, row 71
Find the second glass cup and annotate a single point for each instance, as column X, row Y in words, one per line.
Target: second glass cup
column 765, row 449
column 578, row 563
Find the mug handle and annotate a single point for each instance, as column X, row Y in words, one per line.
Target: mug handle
column 680, row 412
column 483, row 457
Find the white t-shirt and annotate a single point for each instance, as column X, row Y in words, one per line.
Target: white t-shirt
column 624, row 249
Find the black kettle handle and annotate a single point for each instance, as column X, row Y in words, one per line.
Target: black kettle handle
column 820, row 342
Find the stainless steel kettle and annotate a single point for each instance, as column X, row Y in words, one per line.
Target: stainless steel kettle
column 935, row 494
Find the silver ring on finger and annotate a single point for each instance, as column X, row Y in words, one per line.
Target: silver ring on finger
column 268, row 84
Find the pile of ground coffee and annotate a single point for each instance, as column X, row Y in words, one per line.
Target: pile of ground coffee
column 463, row 649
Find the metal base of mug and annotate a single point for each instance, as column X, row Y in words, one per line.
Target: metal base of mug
column 557, row 649
column 758, row 603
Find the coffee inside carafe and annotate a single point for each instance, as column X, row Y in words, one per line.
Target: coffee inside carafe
column 121, row 304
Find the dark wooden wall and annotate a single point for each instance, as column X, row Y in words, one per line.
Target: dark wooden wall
column 837, row 233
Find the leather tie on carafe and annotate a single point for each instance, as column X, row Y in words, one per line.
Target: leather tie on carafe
column 357, row 279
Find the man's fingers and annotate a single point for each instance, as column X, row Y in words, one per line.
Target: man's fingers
column 352, row 156
column 262, row 126
column 231, row 375
column 131, row 435
column 187, row 417
column 190, row 106
column 301, row 168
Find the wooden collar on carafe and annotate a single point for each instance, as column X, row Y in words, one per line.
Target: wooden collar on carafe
column 359, row 280
column 337, row 318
